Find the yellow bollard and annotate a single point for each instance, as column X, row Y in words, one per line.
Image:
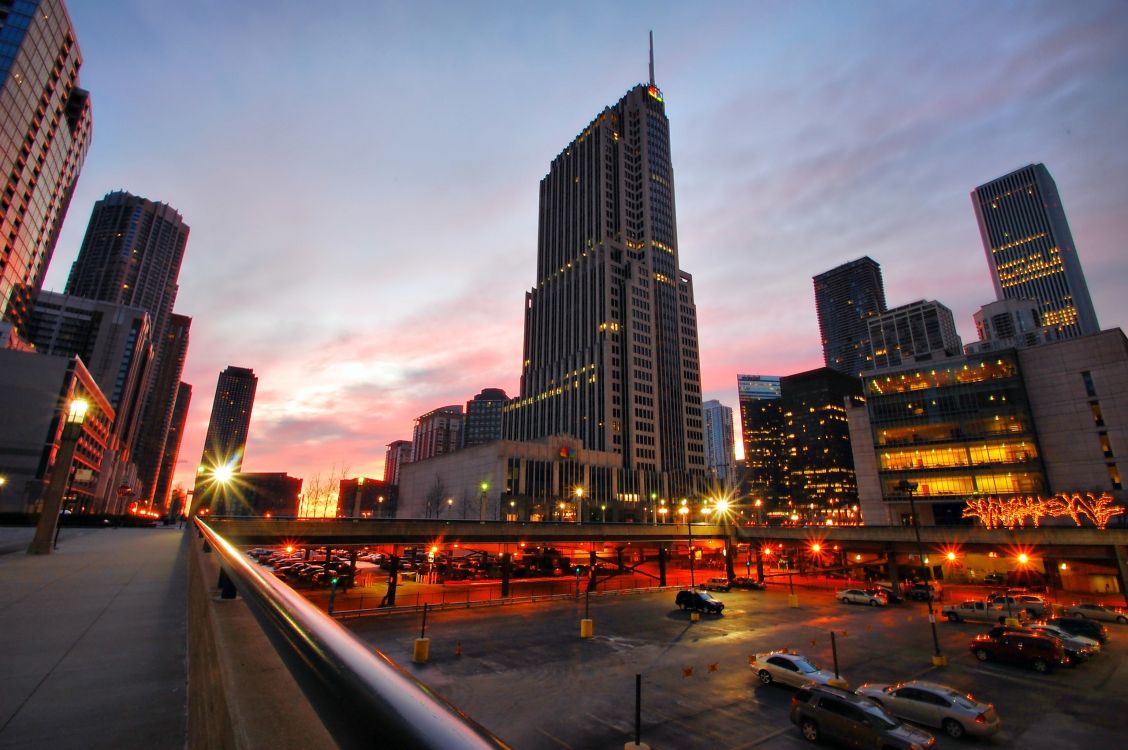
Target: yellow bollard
column 421, row 651
column 694, row 616
column 838, row 683
column 586, row 628
column 793, row 601
column 1012, row 622
column 939, row 661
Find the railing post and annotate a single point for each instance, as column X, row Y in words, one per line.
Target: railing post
column 226, row 585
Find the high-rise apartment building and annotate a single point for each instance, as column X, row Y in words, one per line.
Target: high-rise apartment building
column 919, row 332
column 1030, row 249
column 228, row 428
column 483, row 417
column 161, row 496
column 846, row 298
column 761, row 428
column 611, row 344
column 131, row 255
column 437, row 432
column 720, row 453
column 398, row 454
column 44, row 136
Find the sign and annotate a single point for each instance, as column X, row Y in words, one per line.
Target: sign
column 758, row 386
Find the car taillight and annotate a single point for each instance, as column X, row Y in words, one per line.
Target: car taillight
column 794, row 701
column 981, row 718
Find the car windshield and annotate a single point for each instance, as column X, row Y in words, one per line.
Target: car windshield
column 805, row 666
column 879, row 718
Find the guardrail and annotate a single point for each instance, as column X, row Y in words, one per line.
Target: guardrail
column 362, row 697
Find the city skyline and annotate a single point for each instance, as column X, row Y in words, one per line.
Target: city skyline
column 364, row 212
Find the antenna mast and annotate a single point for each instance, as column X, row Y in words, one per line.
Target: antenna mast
column 652, row 57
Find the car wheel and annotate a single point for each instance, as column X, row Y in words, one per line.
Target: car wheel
column 952, row 617
column 1122, row 619
column 1040, row 665
column 810, row 730
column 953, row 728
column 873, row 602
column 845, row 600
column 765, row 677
column 981, row 654
column 1080, row 615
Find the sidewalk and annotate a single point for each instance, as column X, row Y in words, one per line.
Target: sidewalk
column 94, row 652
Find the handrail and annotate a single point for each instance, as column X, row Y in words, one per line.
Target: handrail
column 364, row 699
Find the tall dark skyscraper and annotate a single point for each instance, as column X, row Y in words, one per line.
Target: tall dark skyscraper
column 228, row 428
column 172, row 447
column 483, row 417
column 131, row 255
column 1030, row 249
column 845, row 298
column 761, row 427
column 611, row 346
column 44, row 137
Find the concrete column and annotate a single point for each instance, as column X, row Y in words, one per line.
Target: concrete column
column 661, row 566
column 1122, row 570
column 894, row 571
column 759, row 563
column 506, row 569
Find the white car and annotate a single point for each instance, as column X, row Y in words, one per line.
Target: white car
column 860, row 596
column 1097, row 612
column 935, row 705
column 788, row 668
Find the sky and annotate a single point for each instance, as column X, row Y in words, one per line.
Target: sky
column 361, row 178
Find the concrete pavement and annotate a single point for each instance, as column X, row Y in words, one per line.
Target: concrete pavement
column 94, row 640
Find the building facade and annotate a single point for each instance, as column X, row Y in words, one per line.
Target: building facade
column 226, row 438
column 915, row 333
column 1030, row 249
column 611, row 342
column 820, row 464
column 720, row 448
column 846, row 298
column 258, row 494
column 365, row 497
column 162, row 498
column 152, row 441
column 45, row 130
column 761, row 429
column 437, row 432
column 398, row 454
column 484, row 417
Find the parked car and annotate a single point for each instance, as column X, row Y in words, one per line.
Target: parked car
column 890, row 595
column 699, row 601
column 788, row 668
column 935, row 705
column 820, row 711
column 981, row 611
column 921, row 592
column 743, row 582
column 1081, row 626
column 1040, row 653
column 1093, row 611
column 718, row 584
column 861, row 596
column 1078, row 648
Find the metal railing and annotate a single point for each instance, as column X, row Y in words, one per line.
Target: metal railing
column 362, row 697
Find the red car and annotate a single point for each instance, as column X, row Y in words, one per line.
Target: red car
column 1039, row 652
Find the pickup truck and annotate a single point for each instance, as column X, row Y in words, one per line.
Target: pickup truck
column 982, row 612
column 1035, row 606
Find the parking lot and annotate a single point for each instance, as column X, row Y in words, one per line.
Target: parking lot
column 524, row 672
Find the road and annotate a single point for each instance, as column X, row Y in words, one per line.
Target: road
column 524, row 672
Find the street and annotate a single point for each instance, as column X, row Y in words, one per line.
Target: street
column 524, row 672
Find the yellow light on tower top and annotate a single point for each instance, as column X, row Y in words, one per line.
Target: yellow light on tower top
column 76, row 411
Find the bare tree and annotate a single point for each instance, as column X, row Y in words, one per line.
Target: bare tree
column 434, row 499
column 319, row 495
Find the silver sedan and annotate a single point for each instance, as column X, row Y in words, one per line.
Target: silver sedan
column 1097, row 612
column 860, row 596
column 935, row 705
column 788, row 668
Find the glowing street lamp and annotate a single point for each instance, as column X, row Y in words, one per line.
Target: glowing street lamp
column 580, row 505
column 45, row 535
column 683, row 511
column 908, row 488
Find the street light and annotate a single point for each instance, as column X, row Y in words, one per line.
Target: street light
column 908, row 488
column 42, row 543
column 683, row 511
column 759, row 512
column 580, row 505
column 485, row 486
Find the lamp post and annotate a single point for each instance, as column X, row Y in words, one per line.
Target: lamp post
column 653, row 507
column 908, row 488
column 759, row 512
column 485, row 486
column 41, row 544
column 579, row 505
column 683, row 511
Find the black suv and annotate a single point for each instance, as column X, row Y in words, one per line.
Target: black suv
column 834, row 713
column 699, row 601
column 1081, row 626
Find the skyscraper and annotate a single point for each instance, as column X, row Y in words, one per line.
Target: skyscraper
column 761, row 427
column 437, row 432
column 483, row 417
column 1030, row 249
column 914, row 333
column 131, row 255
column 43, row 143
column 226, row 439
column 611, row 346
column 720, row 459
column 845, row 298
column 171, row 455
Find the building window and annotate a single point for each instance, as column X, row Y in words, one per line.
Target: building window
column 1090, row 389
column 1114, row 477
column 1106, row 446
column 1098, row 418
